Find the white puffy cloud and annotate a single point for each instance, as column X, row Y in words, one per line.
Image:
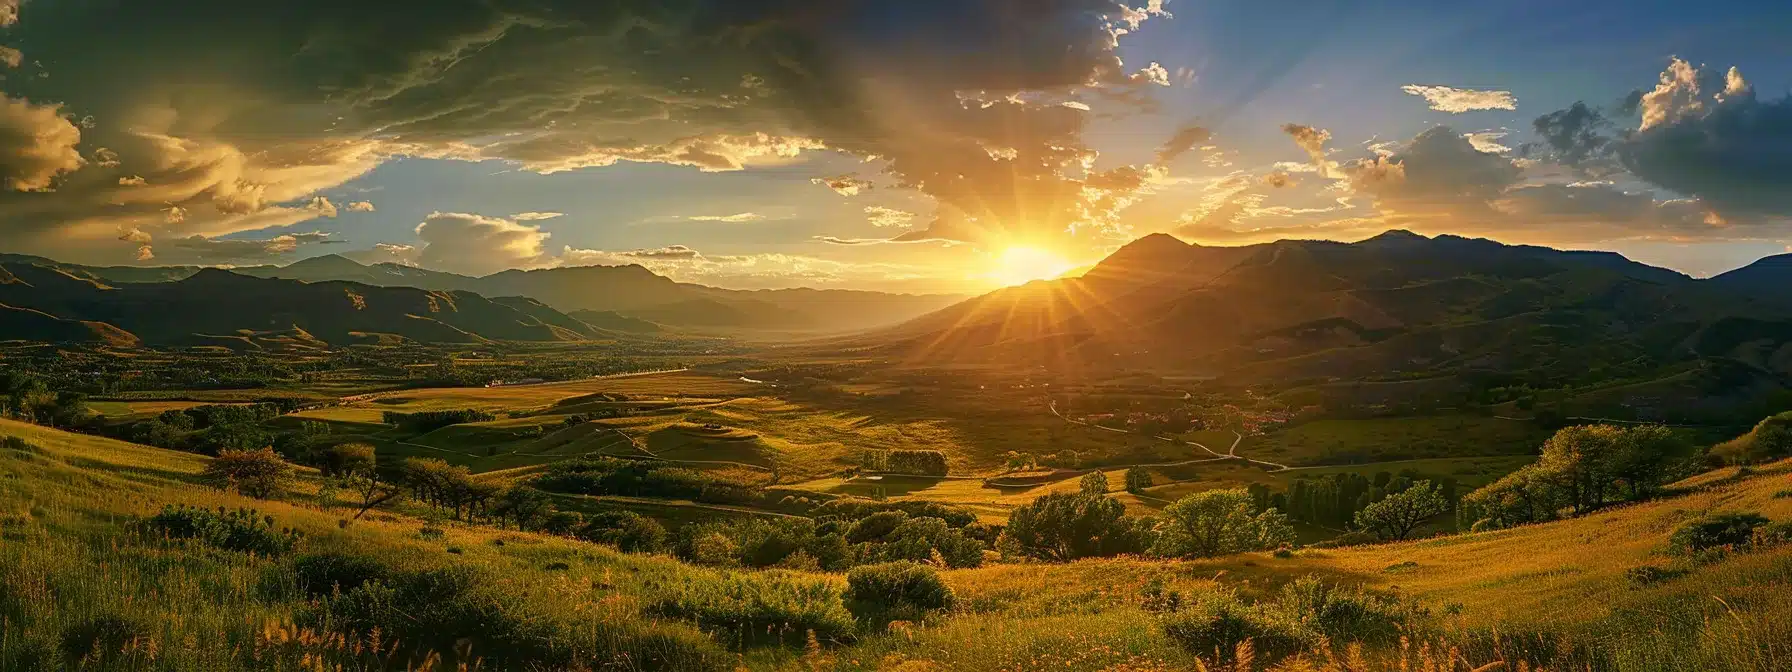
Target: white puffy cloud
column 478, row 245
column 37, row 144
column 360, row 206
column 1456, row 101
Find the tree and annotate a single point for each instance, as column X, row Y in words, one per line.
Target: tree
column 1219, row 522
column 256, row 473
column 1094, row 483
column 349, row 458
column 370, row 491
column 1396, row 516
column 1769, row 440
column 1062, row 527
column 1137, row 479
column 523, row 505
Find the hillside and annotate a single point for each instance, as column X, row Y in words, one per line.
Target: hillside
column 629, row 291
column 82, row 577
column 213, row 306
column 1397, row 306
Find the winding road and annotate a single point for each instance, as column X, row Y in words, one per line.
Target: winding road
column 1230, row 454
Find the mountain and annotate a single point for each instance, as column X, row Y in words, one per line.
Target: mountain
column 635, row 292
column 1769, row 278
column 611, row 321
column 220, row 307
column 1399, row 306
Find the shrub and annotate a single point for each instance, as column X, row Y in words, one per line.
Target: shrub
column 261, row 474
column 242, row 530
column 917, row 462
column 896, row 591
column 102, row 639
column 875, row 526
column 628, row 532
column 1137, row 479
column 1715, row 531
column 1342, row 614
column 335, row 572
column 1214, row 624
column 1093, row 483
column 754, row 608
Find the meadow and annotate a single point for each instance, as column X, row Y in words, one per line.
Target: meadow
column 86, row 584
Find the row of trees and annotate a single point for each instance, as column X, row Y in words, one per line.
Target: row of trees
column 1060, row 527
column 1581, row 469
column 917, row 462
column 1334, row 500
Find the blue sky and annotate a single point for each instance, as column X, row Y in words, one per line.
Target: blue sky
column 703, row 162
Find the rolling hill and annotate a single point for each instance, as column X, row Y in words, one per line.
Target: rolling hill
column 1396, row 306
column 629, row 291
column 216, row 307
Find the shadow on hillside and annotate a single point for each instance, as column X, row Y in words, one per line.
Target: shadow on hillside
column 144, row 475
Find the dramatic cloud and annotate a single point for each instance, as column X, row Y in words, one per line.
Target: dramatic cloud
column 1699, row 134
column 478, row 245
column 845, row 185
column 1456, row 101
column 238, row 114
column 36, row 144
column 883, row 217
column 11, row 57
column 360, row 206
column 536, row 216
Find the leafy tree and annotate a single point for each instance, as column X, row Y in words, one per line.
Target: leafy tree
column 1137, row 479
column 1062, row 527
column 1220, row 522
column 1770, row 439
column 349, row 458
column 627, row 531
column 1398, row 515
column 1094, row 483
column 256, row 473
column 524, row 506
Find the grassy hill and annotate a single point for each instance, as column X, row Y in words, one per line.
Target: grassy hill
column 84, row 578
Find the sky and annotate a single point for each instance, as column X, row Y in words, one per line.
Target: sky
column 896, row 145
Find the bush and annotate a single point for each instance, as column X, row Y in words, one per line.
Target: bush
column 1093, row 483
column 261, row 474
column 1214, row 624
column 336, row 572
column 1344, row 614
column 242, row 530
column 628, row 532
column 103, row 638
column 1062, row 527
column 1722, row 530
column 428, row 421
column 754, row 608
column 896, row 591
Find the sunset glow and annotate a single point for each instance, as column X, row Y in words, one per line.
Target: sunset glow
column 1022, row 264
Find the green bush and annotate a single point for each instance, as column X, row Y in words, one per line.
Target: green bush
column 753, row 609
column 242, row 530
column 627, row 531
column 1344, row 614
column 1214, row 624
column 334, row 572
column 261, row 474
column 897, row 590
column 1719, row 530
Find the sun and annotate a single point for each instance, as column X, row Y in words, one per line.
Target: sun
column 1020, row 265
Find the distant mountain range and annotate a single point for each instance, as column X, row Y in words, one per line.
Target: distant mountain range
column 633, row 295
column 1397, row 307
column 216, row 307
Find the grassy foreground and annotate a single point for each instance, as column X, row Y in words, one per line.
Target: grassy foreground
column 86, row 582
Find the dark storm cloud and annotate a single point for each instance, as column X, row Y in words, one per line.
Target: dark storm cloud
column 233, row 110
column 1706, row 135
